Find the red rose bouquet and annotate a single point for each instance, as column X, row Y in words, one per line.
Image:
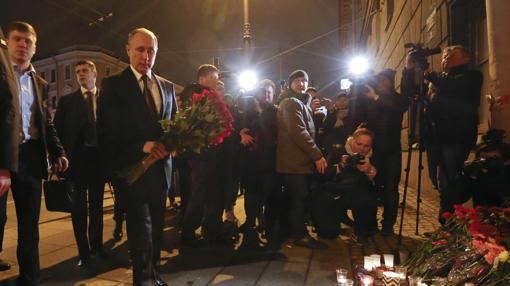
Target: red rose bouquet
column 204, row 123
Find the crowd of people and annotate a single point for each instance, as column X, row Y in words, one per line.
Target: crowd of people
column 299, row 158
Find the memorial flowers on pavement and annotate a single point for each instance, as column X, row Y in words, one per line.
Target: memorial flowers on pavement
column 472, row 246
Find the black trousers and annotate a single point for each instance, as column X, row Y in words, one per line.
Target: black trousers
column 259, row 187
column 296, row 189
column 389, row 167
column 363, row 203
column 145, row 206
column 450, row 158
column 206, row 201
column 3, row 217
column 88, row 202
column 119, row 207
column 26, row 191
column 183, row 184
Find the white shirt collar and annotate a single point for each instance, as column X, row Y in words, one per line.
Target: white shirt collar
column 84, row 90
column 139, row 75
column 30, row 69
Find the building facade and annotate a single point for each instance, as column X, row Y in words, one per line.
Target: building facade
column 387, row 25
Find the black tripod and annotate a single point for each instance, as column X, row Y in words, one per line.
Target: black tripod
column 416, row 121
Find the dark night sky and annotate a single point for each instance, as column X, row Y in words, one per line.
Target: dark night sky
column 192, row 32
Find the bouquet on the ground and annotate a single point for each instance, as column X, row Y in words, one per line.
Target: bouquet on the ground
column 472, row 246
column 205, row 122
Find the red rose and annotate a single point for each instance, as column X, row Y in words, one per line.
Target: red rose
column 447, row 215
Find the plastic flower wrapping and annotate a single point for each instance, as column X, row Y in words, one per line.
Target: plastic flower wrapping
column 472, row 247
column 204, row 123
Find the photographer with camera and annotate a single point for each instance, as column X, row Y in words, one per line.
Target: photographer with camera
column 348, row 183
column 450, row 112
column 382, row 110
column 336, row 124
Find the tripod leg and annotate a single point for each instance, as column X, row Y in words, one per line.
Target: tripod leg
column 418, row 191
column 404, row 197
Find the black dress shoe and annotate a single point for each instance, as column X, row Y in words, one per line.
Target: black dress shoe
column 310, row 242
column 387, row 231
column 117, row 232
column 4, row 265
column 99, row 253
column 83, row 262
column 194, row 243
column 159, row 282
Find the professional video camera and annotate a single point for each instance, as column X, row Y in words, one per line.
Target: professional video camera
column 419, row 53
column 492, row 143
column 477, row 167
column 493, row 136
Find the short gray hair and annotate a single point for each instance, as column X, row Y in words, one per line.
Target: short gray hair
column 143, row 31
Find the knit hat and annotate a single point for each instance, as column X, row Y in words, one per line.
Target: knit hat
column 297, row 73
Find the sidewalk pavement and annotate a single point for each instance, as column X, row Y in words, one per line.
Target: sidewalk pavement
column 219, row 266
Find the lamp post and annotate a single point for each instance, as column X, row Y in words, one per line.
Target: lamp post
column 246, row 26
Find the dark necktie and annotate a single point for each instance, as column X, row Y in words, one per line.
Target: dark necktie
column 149, row 100
column 91, row 135
column 90, row 106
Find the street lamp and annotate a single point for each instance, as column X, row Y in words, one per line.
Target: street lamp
column 246, row 26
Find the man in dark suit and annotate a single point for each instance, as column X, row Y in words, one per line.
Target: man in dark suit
column 207, row 170
column 9, row 132
column 129, row 107
column 38, row 137
column 75, row 121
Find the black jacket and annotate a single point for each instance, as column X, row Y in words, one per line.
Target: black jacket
column 261, row 156
column 125, row 123
column 452, row 105
column 9, row 112
column 384, row 118
column 349, row 180
column 71, row 123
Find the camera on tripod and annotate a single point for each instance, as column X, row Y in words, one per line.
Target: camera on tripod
column 419, row 54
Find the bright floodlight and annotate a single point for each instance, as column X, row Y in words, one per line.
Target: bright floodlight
column 247, row 80
column 358, row 65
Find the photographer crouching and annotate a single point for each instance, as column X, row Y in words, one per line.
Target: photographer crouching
column 381, row 108
column 348, row 183
column 451, row 113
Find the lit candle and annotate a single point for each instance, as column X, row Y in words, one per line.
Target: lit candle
column 367, row 280
column 402, row 271
column 376, row 260
column 341, row 275
column 388, row 260
column 368, row 263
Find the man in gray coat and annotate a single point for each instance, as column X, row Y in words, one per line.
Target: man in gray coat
column 297, row 155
